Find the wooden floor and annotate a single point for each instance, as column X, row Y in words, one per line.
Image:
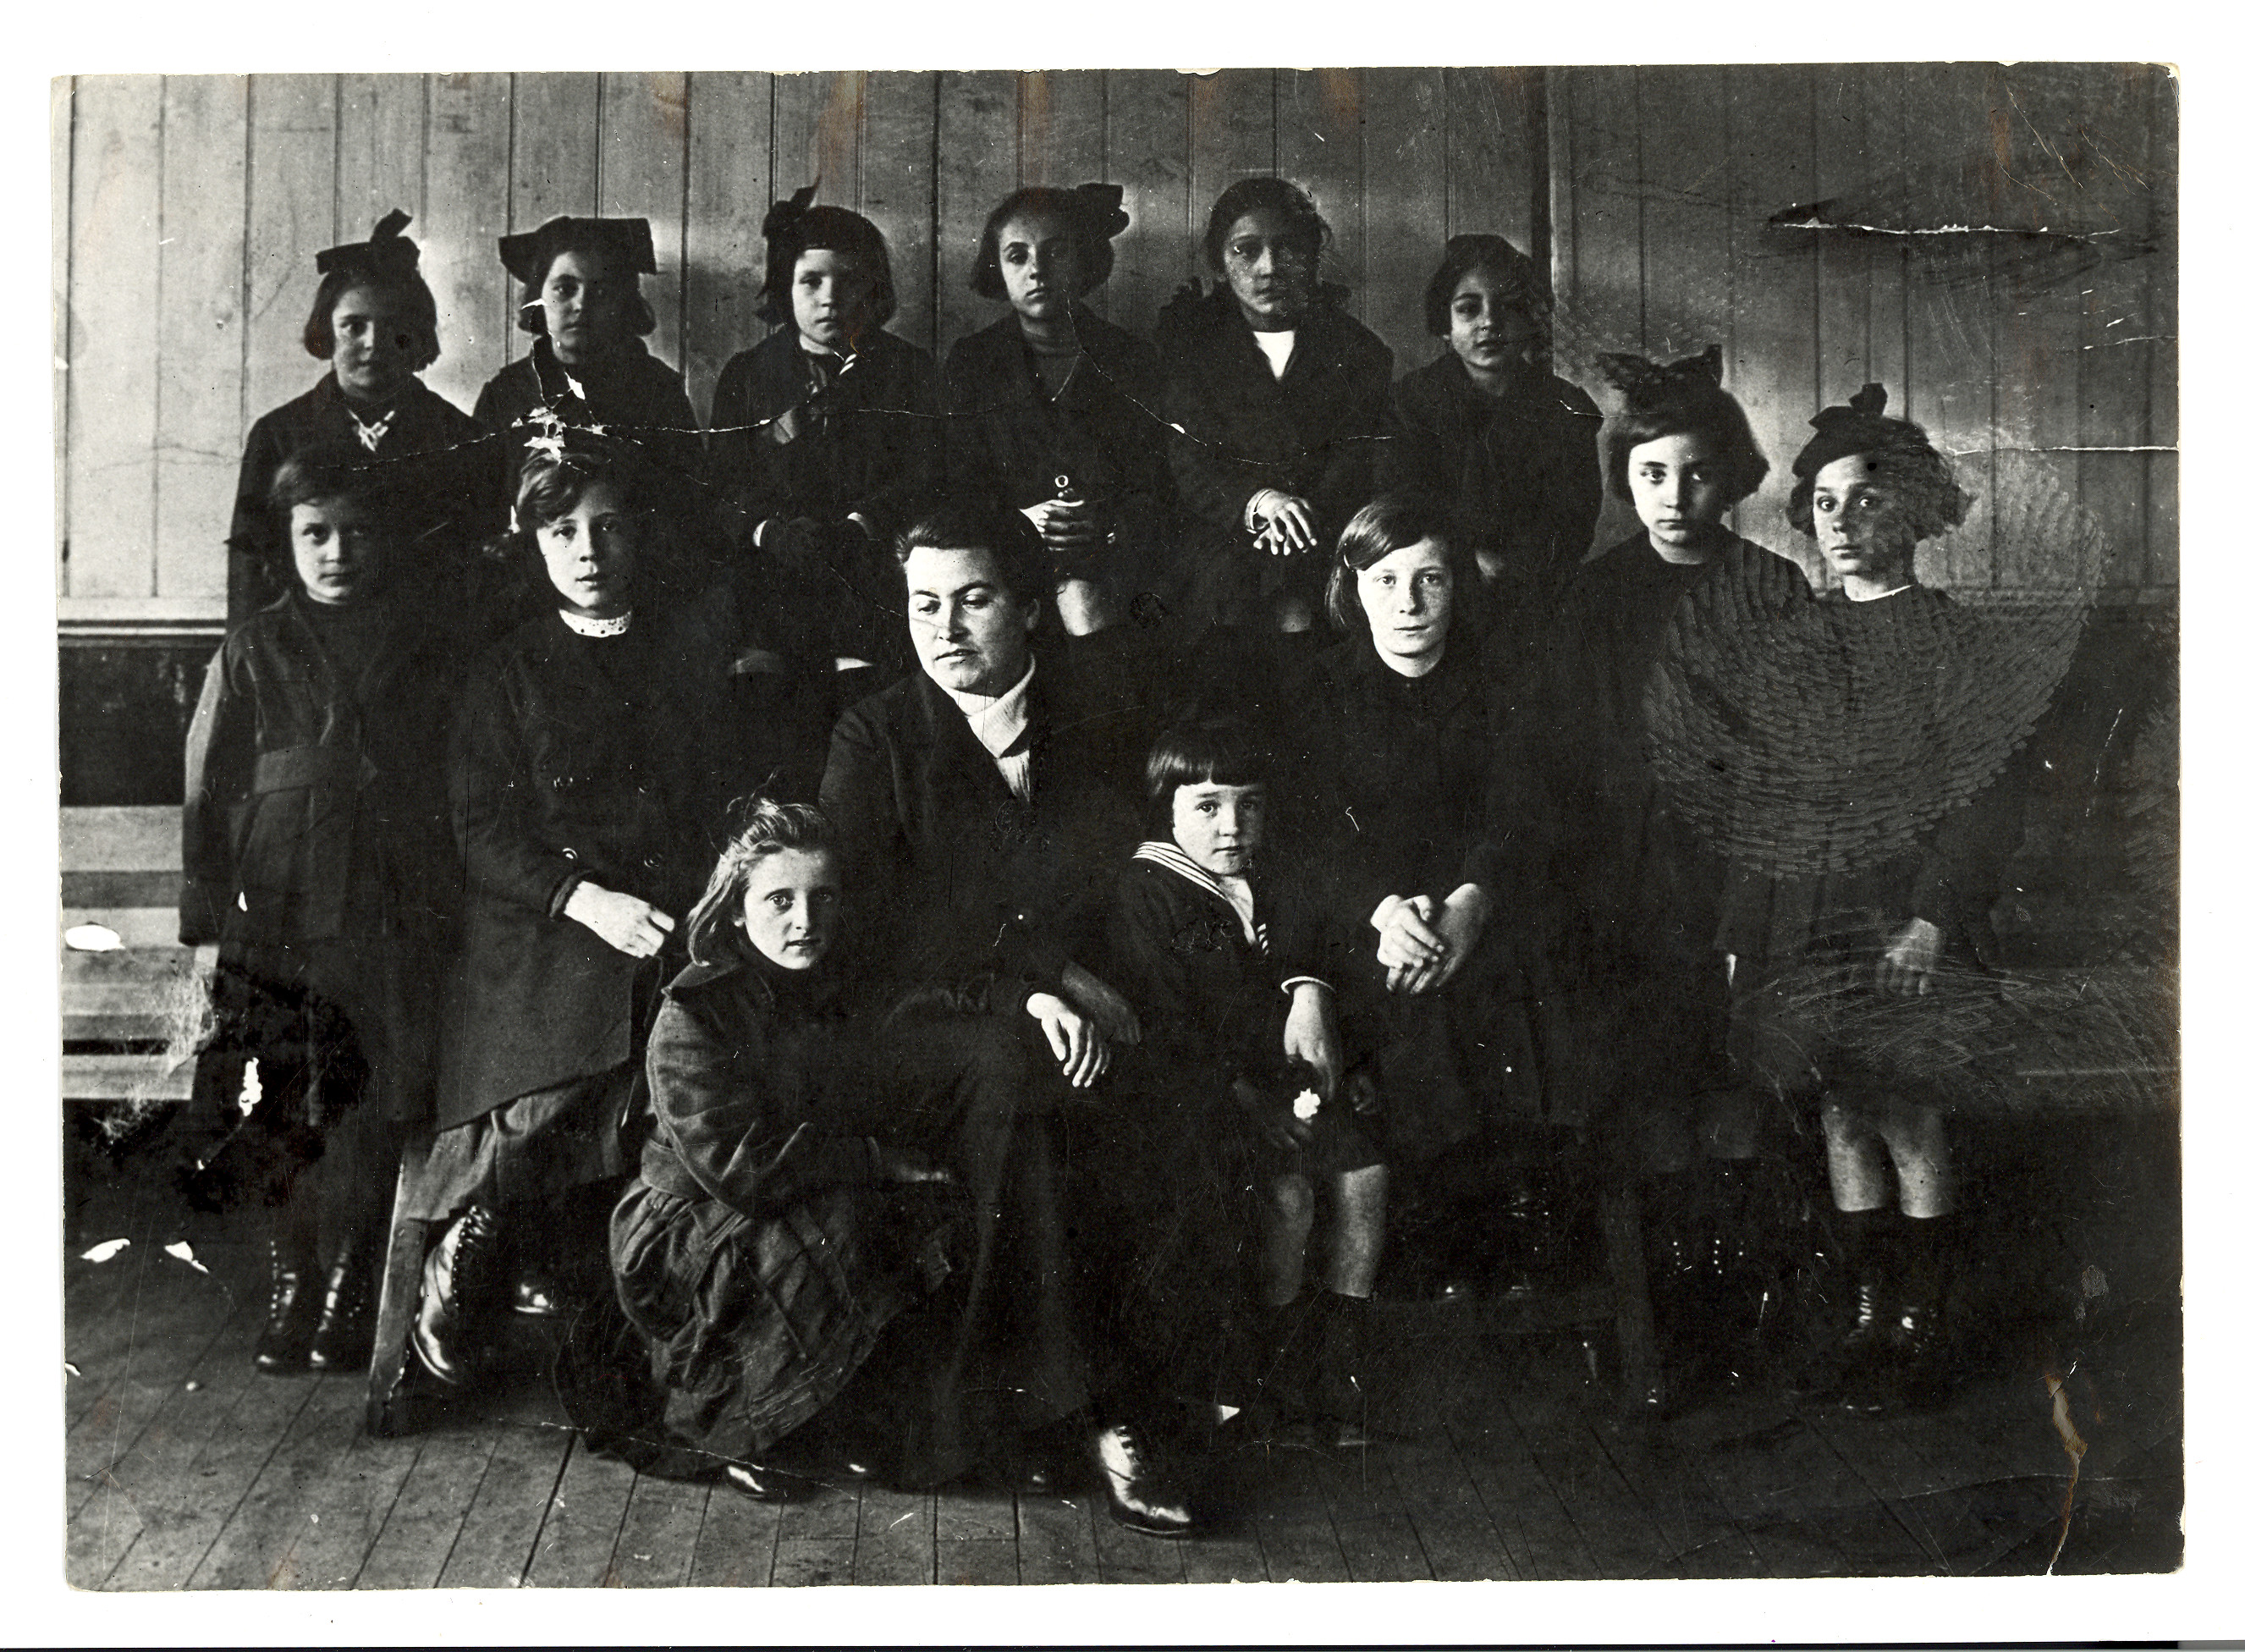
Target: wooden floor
column 187, row 1470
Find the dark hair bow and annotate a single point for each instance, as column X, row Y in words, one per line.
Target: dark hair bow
column 1102, row 209
column 1641, row 379
column 387, row 251
column 785, row 215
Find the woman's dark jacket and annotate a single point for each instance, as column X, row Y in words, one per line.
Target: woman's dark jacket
column 574, row 758
column 444, row 472
column 871, row 442
column 1521, row 472
column 1103, row 432
column 965, row 876
column 1412, row 785
column 630, row 394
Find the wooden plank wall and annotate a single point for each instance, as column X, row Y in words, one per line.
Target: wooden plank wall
column 195, row 204
column 191, row 207
column 2000, row 257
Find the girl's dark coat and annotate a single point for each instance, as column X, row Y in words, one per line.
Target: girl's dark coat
column 573, row 758
column 631, row 395
column 314, row 820
column 1315, row 432
column 1522, row 474
column 963, row 875
column 1103, row 432
column 878, row 448
column 448, row 488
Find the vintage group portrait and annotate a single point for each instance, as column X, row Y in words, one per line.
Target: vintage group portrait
column 1029, row 827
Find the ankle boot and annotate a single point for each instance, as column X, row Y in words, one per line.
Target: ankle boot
column 464, row 1276
column 1341, row 1401
column 290, row 1310
column 344, row 1339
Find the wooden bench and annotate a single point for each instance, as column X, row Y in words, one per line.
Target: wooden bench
column 120, row 871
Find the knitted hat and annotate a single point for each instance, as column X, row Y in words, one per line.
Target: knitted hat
column 387, row 255
column 627, row 245
column 1859, row 426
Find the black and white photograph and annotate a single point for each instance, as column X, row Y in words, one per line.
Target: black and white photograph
column 1022, row 827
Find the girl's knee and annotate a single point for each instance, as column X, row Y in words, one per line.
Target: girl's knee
column 1291, row 1201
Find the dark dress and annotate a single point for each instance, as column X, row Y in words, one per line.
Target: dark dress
column 573, row 758
column 1521, row 472
column 1314, row 432
column 313, row 853
column 1841, row 919
column 1410, row 786
column 630, row 394
column 761, row 1253
column 445, row 473
column 1639, row 977
column 1103, row 431
column 800, row 443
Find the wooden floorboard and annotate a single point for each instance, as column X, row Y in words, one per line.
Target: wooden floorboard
column 1538, row 1532
column 133, row 1434
column 1461, row 1542
column 352, row 1507
column 501, row 1529
column 737, row 1545
column 1056, row 1545
column 414, row 1541
column 1293, row 1522
column 896, row 1537
column 977, row 1560
column 661, row 1529
column 253, row 1546
column 577, row 1546
column 1623, row 1539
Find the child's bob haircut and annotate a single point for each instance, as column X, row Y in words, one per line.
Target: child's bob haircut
column 1217, row 753
column 420, row 306
column 1093, row 211
column 552, row 482
column 327, row 476
column 1382, row 527
column 621, row 244
column 1519, row 285
column 1681, row 397
column 793, row 227
column 712, row 928
column 972, row 521
column 1296, row 211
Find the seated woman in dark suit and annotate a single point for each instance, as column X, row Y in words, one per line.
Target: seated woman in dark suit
column 1277, row 396
column 1512, row 448
column 373, row 322
column 986, row 802
column 1057, row 412
column 586, row 807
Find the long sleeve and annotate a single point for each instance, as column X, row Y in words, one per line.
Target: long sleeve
column 1214, row 486
column 254, row 548
column 1962, row 875
column 489, row 783
column 219, row 757
column 722, row 1100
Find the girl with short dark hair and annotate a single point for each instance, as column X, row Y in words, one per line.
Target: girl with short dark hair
column 314, row 860
column 373, row 322
column 828, row 433
column 1278, row 397
column 1490, row 430
column 1057, row 409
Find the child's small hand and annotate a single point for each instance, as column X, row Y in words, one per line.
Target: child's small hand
column 1408, row 937
column 1906, row 966
column 1102, row 1002
column 625, row 921
column 1075, row 1040
column 1288, row 526
column 903, row 1164
column 1310, row 1037
column 1064, row 522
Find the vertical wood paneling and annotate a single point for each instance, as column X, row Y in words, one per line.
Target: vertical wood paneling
column 292, row 216
column 816, row 120
column 1232, row 135
column 1063, row 127
column 642, row 174
column 1149, row 153
column 978, row 119
column 1686, row 213
column 1405, row 209
column 382, row 131
column 470, row 123
column 1772, row 362
column 1489, row 173
column 2163, row 542
column 115, row 204
column 1318, row 140
column 61, row 110
column 199, row 428
column 896, row 189
column 2113, row 381
column 556, row 162
column 728, row 191
column 1952, row 375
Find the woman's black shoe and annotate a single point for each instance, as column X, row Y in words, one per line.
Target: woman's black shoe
column 344, row 1339
column 291, row 1312
column 1134, row 1501
column 460, row 1282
